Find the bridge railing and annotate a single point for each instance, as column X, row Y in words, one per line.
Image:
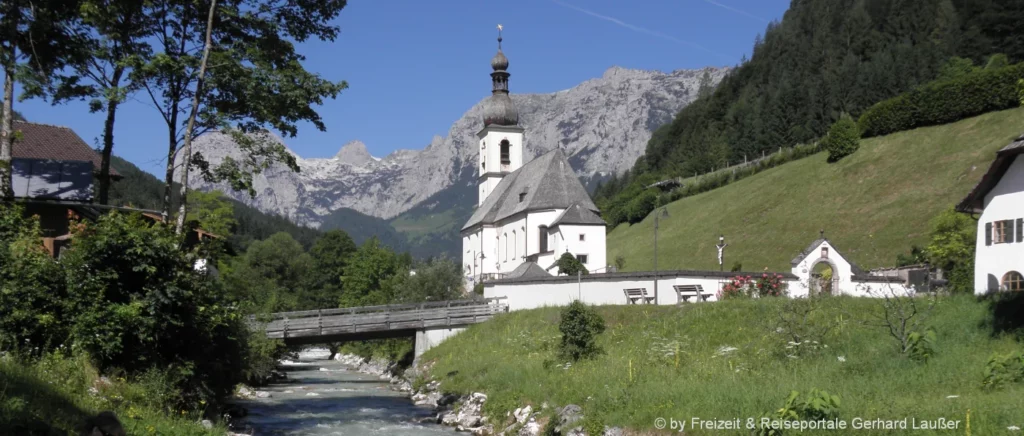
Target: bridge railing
column 381, row 318
column 378, row 309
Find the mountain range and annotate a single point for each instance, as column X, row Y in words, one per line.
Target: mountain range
column 602, row 124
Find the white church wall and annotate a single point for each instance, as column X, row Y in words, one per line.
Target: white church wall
column 1004, row 202
column 586, row 240
column 533, row 223
column 599, row 289
column 845, row 284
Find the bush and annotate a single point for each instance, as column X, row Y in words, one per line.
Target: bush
column 1003, row 369
column 767, row 285
column 843, row 138
column 816, row 405
column 570, row 265
column 945, row 101
column 580, row 325
column 139, row 304
column 32, row 295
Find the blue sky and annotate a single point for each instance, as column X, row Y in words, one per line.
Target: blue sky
column 414, row 67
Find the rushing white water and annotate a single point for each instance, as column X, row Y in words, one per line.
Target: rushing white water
column 323, row 398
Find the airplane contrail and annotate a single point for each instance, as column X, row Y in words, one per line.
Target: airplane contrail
column 639, row 29
column 736, row 10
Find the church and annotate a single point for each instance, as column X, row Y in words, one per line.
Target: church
column 529, row 213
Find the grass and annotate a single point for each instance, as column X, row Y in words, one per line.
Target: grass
column 873, row 204
column 665, row 362
column 51, row 397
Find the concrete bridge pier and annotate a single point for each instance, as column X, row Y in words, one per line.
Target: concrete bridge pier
column 427, row 338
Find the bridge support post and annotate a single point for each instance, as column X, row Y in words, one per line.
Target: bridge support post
column 427, row 338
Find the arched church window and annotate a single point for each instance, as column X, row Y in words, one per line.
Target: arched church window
column 506, row 158
column 515, row 245
column 1013, row 281
column 543, row 230
column 504, row 238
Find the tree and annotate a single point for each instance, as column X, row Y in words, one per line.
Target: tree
column 372, row 275
column 570, row 265
column 117, row 44
column 270, row 277
column 843, row 138
column 952, row 245
column 256, row 80
column 212, row 212
column 330, row 254
column 37, row 38
column 438, row 279
column 956, row 67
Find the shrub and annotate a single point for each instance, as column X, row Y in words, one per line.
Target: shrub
column 1003, row 369
column 816, row 405
column 580, row 325
column 843, row 138
column 922, row 345
column 32, row 294
column 139, row 304
column 945, row 101
column 767, row 285
column 570, row 265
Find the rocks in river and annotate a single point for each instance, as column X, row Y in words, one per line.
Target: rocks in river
column 263, row 394
column 530, row 428
column 206, row 423
column 522, row 414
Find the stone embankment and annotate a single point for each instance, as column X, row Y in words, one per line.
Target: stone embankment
column 465, row 412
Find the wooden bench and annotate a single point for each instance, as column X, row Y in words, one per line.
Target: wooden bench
column 637, row 294
column 685, row 292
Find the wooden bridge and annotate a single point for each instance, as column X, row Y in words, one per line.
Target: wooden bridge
column 426, row 321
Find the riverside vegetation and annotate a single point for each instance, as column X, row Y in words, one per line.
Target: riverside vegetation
column 740, row 358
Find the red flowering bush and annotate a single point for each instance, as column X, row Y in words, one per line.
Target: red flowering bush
column 738, row 287
column 768, row 285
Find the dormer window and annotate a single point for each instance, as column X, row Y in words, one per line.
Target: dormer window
column 522, row 196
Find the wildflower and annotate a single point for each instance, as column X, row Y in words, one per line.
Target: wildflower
column 952, row 396
column 1013, row 428
column 841, row 358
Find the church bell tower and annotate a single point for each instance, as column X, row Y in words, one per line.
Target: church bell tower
column 501, row 139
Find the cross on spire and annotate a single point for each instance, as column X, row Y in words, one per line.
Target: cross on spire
column 499, row 36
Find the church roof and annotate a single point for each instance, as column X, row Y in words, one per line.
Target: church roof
column 528, row 270
column 576, row 215
column 546, row 182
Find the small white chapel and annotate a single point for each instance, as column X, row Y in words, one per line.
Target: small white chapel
column 529, row 213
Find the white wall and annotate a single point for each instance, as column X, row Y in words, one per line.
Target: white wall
column 841, row 269
column 1005, row 201
column 598, row 289
column 593, row 244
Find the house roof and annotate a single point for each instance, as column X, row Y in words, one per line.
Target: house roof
column 45, row 179
column 45, row 141
column 581, row 216
column 975, row 200
column 528, row 270
column 546, row 182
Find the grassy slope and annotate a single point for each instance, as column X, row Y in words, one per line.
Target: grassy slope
column 51, row 397
column 873, row 204
column 505, row 359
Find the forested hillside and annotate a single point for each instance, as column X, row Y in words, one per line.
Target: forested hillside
column 825, row 58
column 140, row 189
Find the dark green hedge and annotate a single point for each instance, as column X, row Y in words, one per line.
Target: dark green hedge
column 945, row 101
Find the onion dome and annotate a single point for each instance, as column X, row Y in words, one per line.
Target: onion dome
column 499, row 109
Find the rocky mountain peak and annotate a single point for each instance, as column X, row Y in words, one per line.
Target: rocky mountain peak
column 602, row 124
column 355, row 153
